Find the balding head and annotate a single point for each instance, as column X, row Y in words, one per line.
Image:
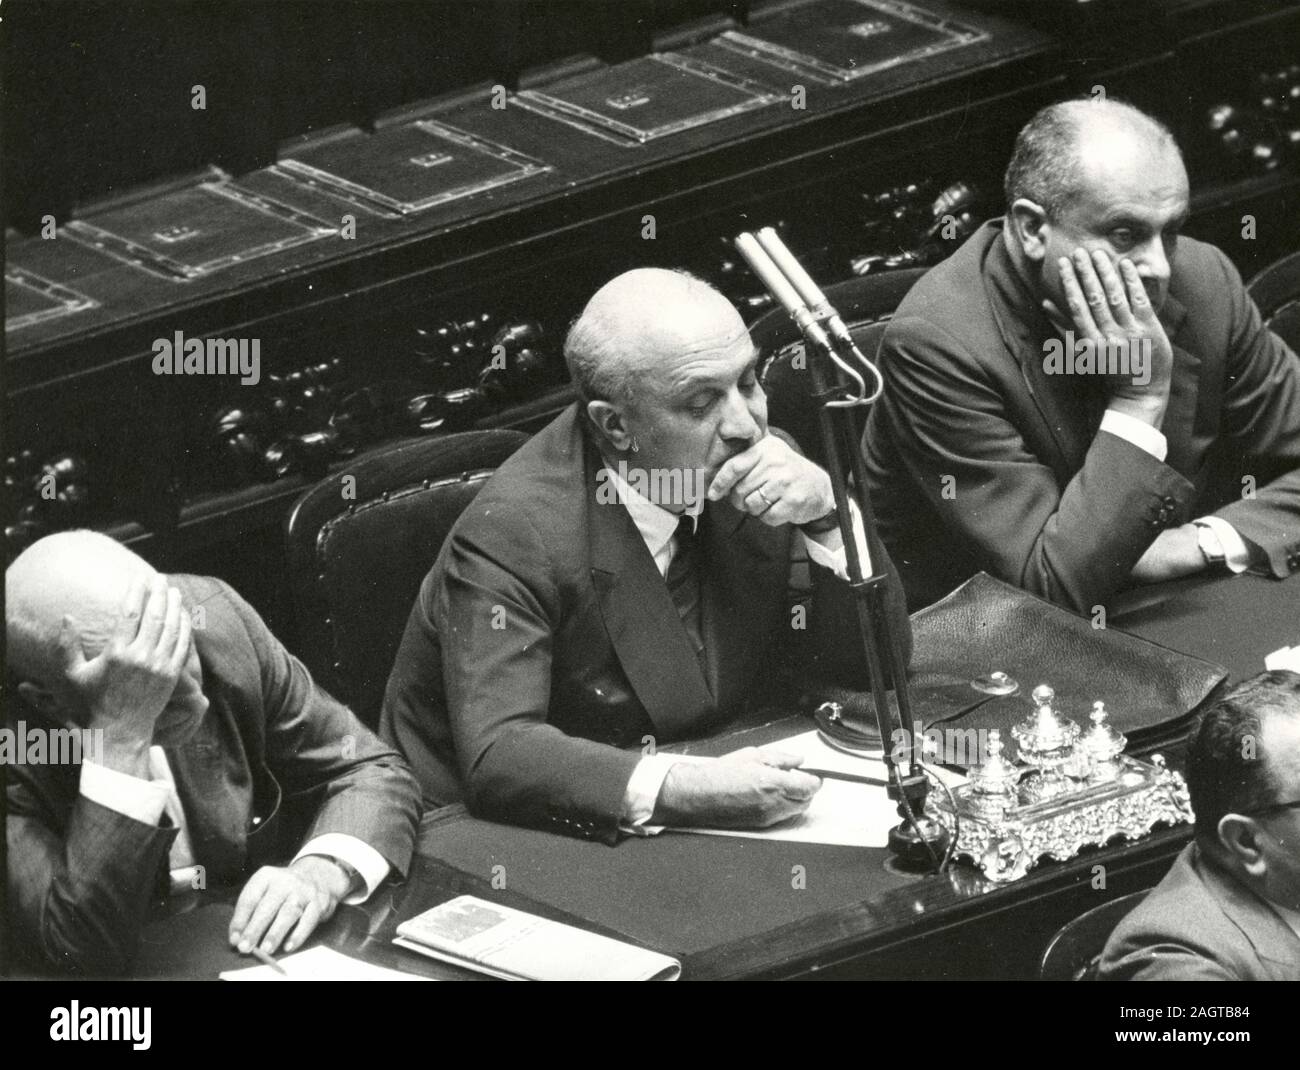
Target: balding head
column 666, row 374
column 635, row 322
column 1075, row 146
column 1096, row 176
column 80, row 574
column 107, row 594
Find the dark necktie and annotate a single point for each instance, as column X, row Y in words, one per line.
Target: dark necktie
column 684, row 583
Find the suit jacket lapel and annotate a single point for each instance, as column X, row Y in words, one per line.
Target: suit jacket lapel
column 641, row 619
column 728, row 575
column 213, row 793
column 1184, row 388
column 1024, row 327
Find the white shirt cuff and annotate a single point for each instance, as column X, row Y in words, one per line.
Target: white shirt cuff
column 140, row 800
column 836, row 560
column 358, row 854
column 642, row 794
column 1142, row 435
column 1236, row 554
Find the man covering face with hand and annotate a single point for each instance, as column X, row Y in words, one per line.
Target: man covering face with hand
column 206, row 742
column 1080, row 398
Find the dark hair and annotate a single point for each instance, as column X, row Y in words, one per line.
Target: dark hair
column 1044, row 165
column 1227, row 770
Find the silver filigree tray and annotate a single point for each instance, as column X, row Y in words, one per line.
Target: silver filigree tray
column 1005, row 845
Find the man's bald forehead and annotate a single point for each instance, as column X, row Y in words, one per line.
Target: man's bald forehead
column 638, row 321
column 1101, row 119
column 71, row 572
column 655, row 302
column 658, row 283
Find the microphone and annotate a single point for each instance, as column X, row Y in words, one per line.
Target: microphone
column 803, row 283
column 779, row 287
column 811, row 295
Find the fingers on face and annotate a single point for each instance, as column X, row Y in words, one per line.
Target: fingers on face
column 171, row 624
column 181, row 651
column 1137, row 292
column 1093, row 291
column 1078, row 304
column 732, row 472
column 1113, row 285
column 133, row 608
column 154, row 619
column 70, row 644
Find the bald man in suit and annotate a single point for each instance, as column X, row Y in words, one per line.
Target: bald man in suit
column 1081, row 399
column 621, row 583
column 209, row 757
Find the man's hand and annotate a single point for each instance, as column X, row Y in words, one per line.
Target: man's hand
column 1113, row 311
column 774, row 483
column 128, row 683
column 278, row 902
column 747, row 789
column 1175, row 553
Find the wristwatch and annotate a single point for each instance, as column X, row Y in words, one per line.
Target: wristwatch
column 821, row 525
column 1207, row 541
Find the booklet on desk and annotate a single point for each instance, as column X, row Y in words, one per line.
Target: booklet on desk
column 516, row 946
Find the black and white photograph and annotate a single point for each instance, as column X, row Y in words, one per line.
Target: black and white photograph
column 657, row 490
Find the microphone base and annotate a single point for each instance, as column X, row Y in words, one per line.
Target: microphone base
column 918, row 842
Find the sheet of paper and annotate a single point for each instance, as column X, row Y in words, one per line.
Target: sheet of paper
column 843, row 814
column 1286, row 658
column 320, row 964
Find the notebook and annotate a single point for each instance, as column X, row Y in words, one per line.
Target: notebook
column 517, row 946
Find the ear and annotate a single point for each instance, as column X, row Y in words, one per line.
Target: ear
column 42, row 701
column 1029, row 228
column 1239, row 837
column 610, row 421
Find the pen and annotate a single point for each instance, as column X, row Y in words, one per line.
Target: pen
column 852, row 778
column 268, row 961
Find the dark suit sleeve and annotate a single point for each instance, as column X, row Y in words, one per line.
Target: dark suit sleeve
column 1075, row 547
column 315, row 744
column 1262, row 418
column 494, row 613
column 78, row 895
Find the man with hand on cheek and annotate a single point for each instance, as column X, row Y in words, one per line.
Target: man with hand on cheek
column 1080, row 399
column 202, row 739
column 622, row 582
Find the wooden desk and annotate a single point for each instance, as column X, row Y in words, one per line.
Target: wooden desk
column 727, row 907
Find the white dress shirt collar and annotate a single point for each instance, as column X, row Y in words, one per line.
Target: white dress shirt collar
column 656, row 524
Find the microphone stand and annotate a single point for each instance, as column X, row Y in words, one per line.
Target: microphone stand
column 917, row 841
